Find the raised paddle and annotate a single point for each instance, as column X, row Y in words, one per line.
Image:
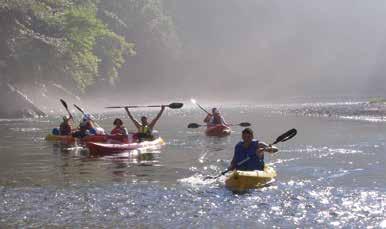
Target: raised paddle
column 195, row 102
column 282, row 138
column 80, row 109
column 172, row 106
column 195, row 125
column 65, row 106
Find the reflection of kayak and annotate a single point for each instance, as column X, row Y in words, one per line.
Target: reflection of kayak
column 106, row 148
column 239, row 181
column 218, row 130
column 90, row 138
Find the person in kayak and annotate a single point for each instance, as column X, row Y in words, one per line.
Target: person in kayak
column 119, row 133
column 119, row 129
column 252, row 149
column 86, row 127
column 215, row 118
column 145, row 129
column 65, row 127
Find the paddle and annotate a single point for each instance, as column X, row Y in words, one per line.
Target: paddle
column 282, row 138
column 195, row 125
column 195, row 102
column 65, row 106
column 172, row 106
column 81, row 111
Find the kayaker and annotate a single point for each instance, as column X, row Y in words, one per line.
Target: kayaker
column 145, row 129
column 215, row 118
column 86, row 127
column 65, row 127
column 252, row 149
column 119, row 129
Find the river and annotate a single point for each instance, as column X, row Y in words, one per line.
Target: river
column 331, row 174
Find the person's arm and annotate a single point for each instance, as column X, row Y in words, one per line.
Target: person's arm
column 92, row 124
column 207, row 118
column 136, row 123
column 125, row 132
column 152, row 124
column 268, row 148
column 223, row 121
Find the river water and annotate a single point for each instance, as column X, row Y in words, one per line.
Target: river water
column 332, row 174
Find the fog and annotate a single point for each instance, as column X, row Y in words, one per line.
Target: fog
column 259, row 50
column 248, row 51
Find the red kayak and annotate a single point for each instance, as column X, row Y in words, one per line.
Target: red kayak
column 90, row 138
column 218, row 130
column 107, row 148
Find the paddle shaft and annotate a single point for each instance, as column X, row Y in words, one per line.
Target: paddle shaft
column 203, row 109
column 195, row 102
column 238, row 164
column 172, row 105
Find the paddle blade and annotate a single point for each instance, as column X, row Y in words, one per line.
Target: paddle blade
column 175, row 105
column 193, row 125
column 245, row 124
column 80, row 109
column 286, row 136
column 64, row 104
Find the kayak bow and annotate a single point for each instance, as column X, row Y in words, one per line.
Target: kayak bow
column 241, row 181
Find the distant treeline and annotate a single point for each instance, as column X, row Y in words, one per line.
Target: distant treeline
column 82, row 43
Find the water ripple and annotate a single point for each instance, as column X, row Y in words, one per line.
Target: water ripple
column 203, row 204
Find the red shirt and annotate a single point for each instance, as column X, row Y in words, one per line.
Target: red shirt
column 119, row 130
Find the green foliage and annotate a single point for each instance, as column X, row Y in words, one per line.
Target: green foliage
column 377, row 100
column 56, row 40
column 82, row 42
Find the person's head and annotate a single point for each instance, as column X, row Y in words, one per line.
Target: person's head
column 118, row 122
column 144, row 120
column 247, row 135
column 215, row 111
column 66, row 120
column 86, row 117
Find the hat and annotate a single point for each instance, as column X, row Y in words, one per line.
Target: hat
column 86, row 117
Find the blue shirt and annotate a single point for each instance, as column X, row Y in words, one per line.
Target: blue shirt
column 241, row 153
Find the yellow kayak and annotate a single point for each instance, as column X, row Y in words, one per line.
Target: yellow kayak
column 240, row 181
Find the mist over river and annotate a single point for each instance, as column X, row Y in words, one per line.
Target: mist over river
column 331, row 174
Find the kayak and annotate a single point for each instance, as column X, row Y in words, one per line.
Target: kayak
column 90, row 138
column 107, row 148
column 241, row 181
column 218, row 130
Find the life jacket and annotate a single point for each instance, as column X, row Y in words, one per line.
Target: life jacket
column 85, row 125
column 215, row 120
column 144, row 133
column 144, row 130
column 65, row 129
column 241, row 153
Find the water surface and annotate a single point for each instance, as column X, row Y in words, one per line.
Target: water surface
column 331, row 174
